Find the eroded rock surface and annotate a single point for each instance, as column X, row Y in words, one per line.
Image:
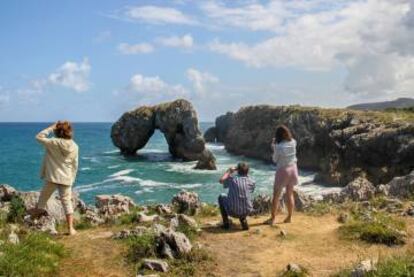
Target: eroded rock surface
column 178, row 122
column 339, row 144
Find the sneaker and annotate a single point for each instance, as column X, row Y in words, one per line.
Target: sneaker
column 244, row 224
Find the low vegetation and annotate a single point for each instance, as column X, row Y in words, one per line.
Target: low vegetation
column 208, row 210
column 319, row 208
column 36, row 255
column 140, row 247
column 197, row 261
column 395, row 266
column 375, row 227
column 17, row 210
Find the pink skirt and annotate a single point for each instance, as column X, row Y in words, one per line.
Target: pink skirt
column 287, row 176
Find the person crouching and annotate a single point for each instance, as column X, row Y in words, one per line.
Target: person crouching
column 237, row 203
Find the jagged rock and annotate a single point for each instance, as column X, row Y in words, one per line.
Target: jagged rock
column 166, row 251
column 142, row 218
column 382, row 190
column 54, row 206
column 262, row 204
column 178, row 122
column 186, row 202
column 113, row 205
column 156, row 265
column 7, row 192
column 363, row 268
column 178, row 242
column 302, row 201
column 402, row 187
column 93, row 218
column 210, row 135
column 45, row 224
column 359, row 190
column 13, row 238
column 182, row 219
column 158, row 229
column 136, row 232
column 340, row 144
column 163, row 209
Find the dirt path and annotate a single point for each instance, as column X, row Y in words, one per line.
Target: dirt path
column 94, row 253
column 311, row 241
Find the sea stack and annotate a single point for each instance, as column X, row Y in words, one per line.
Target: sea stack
column 178, row 122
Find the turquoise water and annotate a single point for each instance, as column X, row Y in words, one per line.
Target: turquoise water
column 152, row 176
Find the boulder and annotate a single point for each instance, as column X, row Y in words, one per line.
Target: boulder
column 163, row 209
column 136, row 232
column 182, row 220
column 363, row 268
column 178, row 122
column 262, row 204
column 178, row 242
column 44, row 223
column 7, row 192
column 186, row 202
column 156, row 265
column 402, row 187
column 302, row 201
column 358, row 190
column 92, row 217
column 113, row 205
column 293, row 269
column 13, row 238
column 142, row 218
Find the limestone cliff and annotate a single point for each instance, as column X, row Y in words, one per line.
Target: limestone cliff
column 339, row 144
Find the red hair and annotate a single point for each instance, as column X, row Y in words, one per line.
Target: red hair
column 63, row 130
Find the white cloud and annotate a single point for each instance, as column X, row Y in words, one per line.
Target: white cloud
column 372, row 39
column 158, row 15
column 185, row 41
column 201, row 80
column 4, row 98
column 153, row 88
column 131, row 49
column 71, row 75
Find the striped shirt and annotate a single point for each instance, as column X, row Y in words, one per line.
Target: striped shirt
column 239, row 195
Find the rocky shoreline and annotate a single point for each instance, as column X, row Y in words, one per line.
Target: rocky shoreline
column 341, row 145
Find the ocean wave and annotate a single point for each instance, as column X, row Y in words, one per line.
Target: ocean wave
column 144, row 190
column 113, row 166
column 111, row 152
column 153, row 150
column 189, row 186
column 85, row 168
column 122, row 172
column 215, row 146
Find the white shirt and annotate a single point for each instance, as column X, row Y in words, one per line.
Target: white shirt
column 284, row 153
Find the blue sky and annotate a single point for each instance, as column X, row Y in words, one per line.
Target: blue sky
column 93, row 60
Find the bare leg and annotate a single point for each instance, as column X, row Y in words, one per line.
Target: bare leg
column 69, row 220
column 290, row 203
column 275, row 203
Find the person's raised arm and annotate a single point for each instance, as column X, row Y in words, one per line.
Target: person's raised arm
column 226, row 175
column 42, row 136
column 275, row 154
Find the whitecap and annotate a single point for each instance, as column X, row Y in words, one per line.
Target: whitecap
column 111, row 152
column 113, row 166
column 215, row 146
column 122, row 172
column 85, row 168
column 189, row 186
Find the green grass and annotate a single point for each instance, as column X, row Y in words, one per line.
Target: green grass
column 394, row 266
column 319, row 208
column 208, row 210
column 140, row 247
column 302, row 273
column 197, row 260
column 36, row 255
column 381, row 228
column 189, row 231
column 17, row 210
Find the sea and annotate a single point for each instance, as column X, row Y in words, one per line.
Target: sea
column 153, row 176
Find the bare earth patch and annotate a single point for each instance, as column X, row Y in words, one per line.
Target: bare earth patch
column 94, row 253
column 312, row 242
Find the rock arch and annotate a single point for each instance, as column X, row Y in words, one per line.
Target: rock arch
column 178, row 122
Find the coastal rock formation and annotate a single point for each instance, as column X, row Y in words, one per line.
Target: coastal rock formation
column 186, row 202
column 402, row 187
column 112, row 205
column 178, row 122
column 339, row 144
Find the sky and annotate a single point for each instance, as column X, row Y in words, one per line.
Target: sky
column 93, row 60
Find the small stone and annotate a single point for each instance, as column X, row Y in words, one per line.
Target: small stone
column 283, row 233
column 156, row 265
column 257, row 231
column 13, row 238
column 294, row 268
column 149, row 275
column 142, row 218
column 163, row 209
column 363, row 268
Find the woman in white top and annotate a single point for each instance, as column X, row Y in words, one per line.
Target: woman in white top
column 284, row 156
column 59, row 168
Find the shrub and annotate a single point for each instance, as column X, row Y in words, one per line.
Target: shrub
column 17, row 210
column 140, row 247
column 189, row 231
column 36, row 255
column 198, row 258
column 377, row 228
column 208, row 210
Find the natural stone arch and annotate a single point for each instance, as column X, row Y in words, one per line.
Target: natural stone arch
column 178, row 122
